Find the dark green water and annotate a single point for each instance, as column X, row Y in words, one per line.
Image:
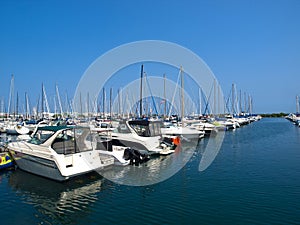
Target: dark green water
column 255, row 179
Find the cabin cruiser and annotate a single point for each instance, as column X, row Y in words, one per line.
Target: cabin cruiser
column 186, row 133
column 16, row 128
column 203, row 125
column 135, row 140
column 101, row 126
column 58, row 152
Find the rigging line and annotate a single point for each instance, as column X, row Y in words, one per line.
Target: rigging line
column 147, row 81
column 46, row 100
column 227, row 102
column 175, row 90
column 59, row 100
column 207, row 103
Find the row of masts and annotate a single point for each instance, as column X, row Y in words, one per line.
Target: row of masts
column 235, row 103
column 39, row 110
column 238, row 103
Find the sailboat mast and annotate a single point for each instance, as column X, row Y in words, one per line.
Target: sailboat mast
column 232, row 99
column 219, row 99
column 297, row 104
column 165, row 100
column 182, row 96
column 42, row 105
column 37, row 108
column 103, row 102
column 240, row 101
column 88, row 105
column 119, row 103
column 17, row 105
column 215, row 98
column 141, row 92
column 110, row 103
column 46, row 101
column 200, row 102
column 59, row 100
column 11, row 96
column 27, row 106
column 2, row 107
column 80, row 102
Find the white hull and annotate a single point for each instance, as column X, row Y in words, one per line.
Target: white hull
column 185, row 132
column 16, row 130
column 117, row 153
column 38, row 166
column 58, row 158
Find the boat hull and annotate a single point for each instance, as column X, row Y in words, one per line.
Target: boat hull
column 39, row 166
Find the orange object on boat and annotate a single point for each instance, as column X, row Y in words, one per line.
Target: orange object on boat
column 176, row 140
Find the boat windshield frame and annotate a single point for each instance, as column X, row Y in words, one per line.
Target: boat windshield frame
column 73, row 140
column 42, row 134
column 145, row 128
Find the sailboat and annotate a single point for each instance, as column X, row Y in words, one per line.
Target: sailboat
column 175, row 129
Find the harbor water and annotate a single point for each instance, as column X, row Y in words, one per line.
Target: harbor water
column 255, row 179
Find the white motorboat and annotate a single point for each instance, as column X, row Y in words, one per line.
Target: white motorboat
column 223, row 124
column 101, row 126
column 142, row 137
column 15, row 128
column 203, row 125
column 58, row 153
column 187, row 133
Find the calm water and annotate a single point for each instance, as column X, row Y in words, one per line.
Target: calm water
column 255, row 179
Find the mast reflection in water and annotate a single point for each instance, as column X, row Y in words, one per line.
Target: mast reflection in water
column 56, row 201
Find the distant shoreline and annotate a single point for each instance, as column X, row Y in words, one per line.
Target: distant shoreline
column 281, row 114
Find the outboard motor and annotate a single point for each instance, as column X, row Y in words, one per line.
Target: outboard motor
column 135, row 157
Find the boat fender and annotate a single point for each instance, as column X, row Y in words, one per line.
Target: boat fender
column 176, row 141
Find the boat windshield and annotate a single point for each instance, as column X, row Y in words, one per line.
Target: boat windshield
column 122, row 128
column 147, row 130
column 41, row 136
column 141, row 130
column 73, row 141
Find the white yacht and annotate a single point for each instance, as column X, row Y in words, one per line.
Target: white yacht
column 187, row 133
column 133, row 141
column 13, row 127
column 203, row 125
column 101, row 126
column 58, row 153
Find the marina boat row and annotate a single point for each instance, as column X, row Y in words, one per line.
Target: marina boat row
column 62, row 152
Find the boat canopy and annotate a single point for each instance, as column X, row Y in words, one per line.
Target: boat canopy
column 146, row 128
column 53, row 128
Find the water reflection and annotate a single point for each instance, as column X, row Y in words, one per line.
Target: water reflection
column 155, row 170
column 57, row 202
column 211, row 150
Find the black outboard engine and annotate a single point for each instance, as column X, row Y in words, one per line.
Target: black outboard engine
column 135, row 157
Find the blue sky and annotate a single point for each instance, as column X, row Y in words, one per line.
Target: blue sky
column 254, row 44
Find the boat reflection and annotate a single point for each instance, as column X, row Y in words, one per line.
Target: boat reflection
column 54, row 201
column 154, row 171
column 210, row 150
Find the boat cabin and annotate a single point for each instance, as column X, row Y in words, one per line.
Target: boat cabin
column 64, row 139
column 146, row 128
